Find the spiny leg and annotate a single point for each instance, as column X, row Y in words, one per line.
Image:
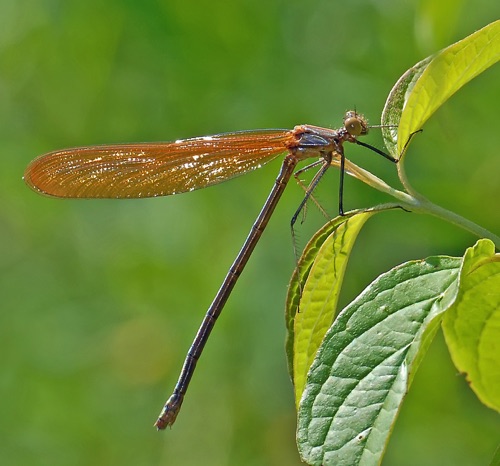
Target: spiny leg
column 325, row 164
column 306, row 188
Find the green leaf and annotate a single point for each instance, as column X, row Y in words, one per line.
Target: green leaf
column 365, row 364
column 396, row 102
column 472, row 325
column 428, row 84
column 298, row 280
column 323, row 265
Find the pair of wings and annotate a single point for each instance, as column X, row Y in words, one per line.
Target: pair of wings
column 153, row 169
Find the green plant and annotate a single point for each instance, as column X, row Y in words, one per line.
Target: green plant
column 351, row 371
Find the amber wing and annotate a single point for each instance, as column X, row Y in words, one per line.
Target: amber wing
column 153, row 169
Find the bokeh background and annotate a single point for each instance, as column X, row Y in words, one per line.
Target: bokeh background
column 99, row 300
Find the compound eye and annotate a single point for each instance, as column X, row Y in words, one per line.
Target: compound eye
column 354, row 126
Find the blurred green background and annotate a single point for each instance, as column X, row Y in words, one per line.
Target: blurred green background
column 101, row 299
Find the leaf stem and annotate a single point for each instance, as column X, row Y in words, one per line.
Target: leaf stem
column 404, row 179
column 437, row 211
column 415, row 202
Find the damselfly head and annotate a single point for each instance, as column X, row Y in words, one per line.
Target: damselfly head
column 355, row 123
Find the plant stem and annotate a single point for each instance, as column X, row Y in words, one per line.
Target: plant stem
column 415, row 202
column 428, row 207
column 405, row 182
